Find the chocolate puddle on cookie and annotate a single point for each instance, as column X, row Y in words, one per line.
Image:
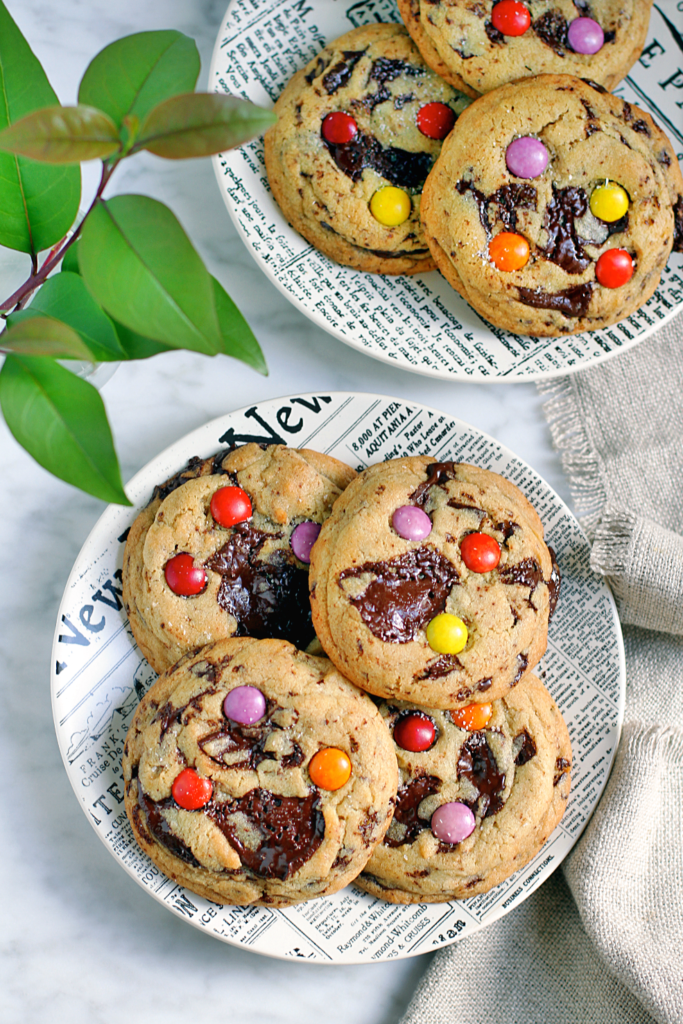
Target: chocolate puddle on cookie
column 400, row 167
column 160, row 828
column 478, row 765
column 406, row 815
column 406, row 593
column 274, row 835
column 267, row 598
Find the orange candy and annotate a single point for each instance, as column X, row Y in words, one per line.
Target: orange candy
column 472, row 717
column 508, row 251
column 330, row 768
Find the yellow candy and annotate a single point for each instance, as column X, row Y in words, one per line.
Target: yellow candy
column 609, row 202
column 447, row 634
column 391, row 206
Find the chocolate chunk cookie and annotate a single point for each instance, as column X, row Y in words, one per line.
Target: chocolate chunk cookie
column 358, row 131
column 564, row 221
column 222, row 549
column 431, row 582
column 478, row 46
column 256, row 774
column 476, row 803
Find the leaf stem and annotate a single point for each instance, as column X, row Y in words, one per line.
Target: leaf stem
column 38, row 276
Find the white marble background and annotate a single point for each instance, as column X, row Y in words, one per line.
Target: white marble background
column 81, row 942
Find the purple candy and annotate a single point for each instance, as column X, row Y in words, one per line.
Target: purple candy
column 245, row 704
column 303, row 538
column 526, row 157
column 411, row 523
column 451, row 823
column 585, row 36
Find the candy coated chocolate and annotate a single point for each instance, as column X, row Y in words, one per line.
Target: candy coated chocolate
column 585, row 36
column 302, row 540
column 453, row 822
column 245, row 704
column 527, row 157
column 411, row 522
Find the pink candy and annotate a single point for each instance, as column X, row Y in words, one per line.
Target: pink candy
column 585, row 36
column 244, row 704
column 451, row 823
column 526, row 157
column 411, row 523
column 303, row 538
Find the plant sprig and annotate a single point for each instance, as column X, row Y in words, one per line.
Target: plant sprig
column 131, row 284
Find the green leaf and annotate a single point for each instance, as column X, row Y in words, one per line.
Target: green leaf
column 43, row 336
column 70, row 261
column 66, row 298
column 38, row 203
column 142, row 269
column 61, row 421
column 132, row 75
column 62, row 135
column 137, row 347
column 238, row 337
column 199, row 124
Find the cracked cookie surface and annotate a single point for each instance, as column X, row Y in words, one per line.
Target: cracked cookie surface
column 255, row 584
column 459, row 41
column 373, row 592
column 266, row 834
column 590, row 138
column 514, row 774
column 376, row 76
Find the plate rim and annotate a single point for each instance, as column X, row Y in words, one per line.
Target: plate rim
column 139, row 484
column 449, row 375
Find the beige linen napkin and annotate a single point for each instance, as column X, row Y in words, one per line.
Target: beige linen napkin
column 602, row 941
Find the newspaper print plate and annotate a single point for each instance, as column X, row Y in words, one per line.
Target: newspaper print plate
column 419, row 323
column 98, row 677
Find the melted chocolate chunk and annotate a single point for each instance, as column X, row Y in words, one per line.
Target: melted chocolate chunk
column 441, row 666
column 484, row 684
column 562, row 766
column 494, row 36
column 340, row 74
column 522, row 664
column 508, row 199
column 525, row 747
column 400, row 167
column 477, row 764
column 268, row 599
column 168, row 716
column 678, row 225
column 407, row 592
column 195, row 467
column 468, row 508
column 572, row 302
column 296, row 757
column 664, row 159
column 402, row 101
column 384, row 70
column 233, row 736
column 408, row 800
column 438, row 475
column 637, row 124
column 554, row 585
column 160, row 828
column 526, row 573
column 289, row 830
column 507, row 527
column 396, row 254
column 564, row 245
column 594, row 85
column 318, row 68
column 551, row 28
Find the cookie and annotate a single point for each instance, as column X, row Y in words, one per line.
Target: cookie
column 431, row 582
column 256, row 774
column 480, row 792
column 222, row 549
column 480, row 46
column 563, row 222
column 357, row 133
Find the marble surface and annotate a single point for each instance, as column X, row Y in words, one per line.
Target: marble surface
column 81, row 941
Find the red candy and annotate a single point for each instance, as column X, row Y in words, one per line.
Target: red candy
column 480, row 552
column 339, row 127
column 230, row 505
column 614, row 268
column 183, row 577
column 414, row 732
column 510, row 17
column 190, row 791
column 435, row 120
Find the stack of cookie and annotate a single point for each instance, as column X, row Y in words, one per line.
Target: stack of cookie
column 549, row 204
column 257, row 771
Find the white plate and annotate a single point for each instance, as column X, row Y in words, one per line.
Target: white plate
column 419, row 323
column 98, row 677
